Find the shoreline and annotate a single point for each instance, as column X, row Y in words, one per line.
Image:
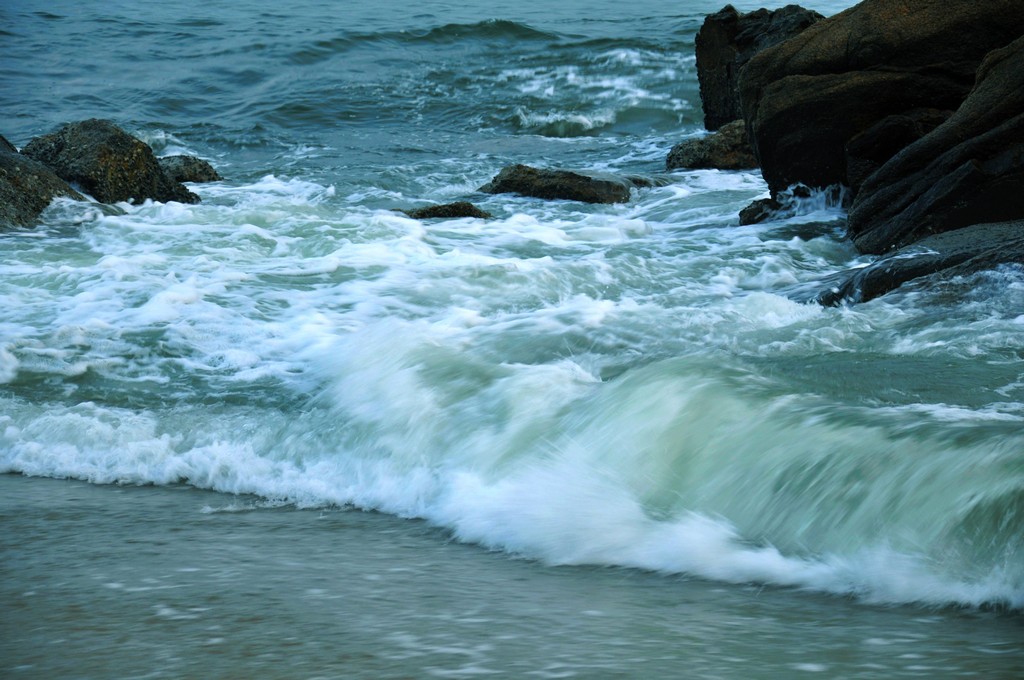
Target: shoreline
column 178, row 582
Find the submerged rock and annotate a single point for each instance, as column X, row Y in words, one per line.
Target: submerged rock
column 649, row 181
column 106, row 162
column 726, row 149
column 559, row 184
column 788, row 203
column 955, row 253
column 761, row 210
column 448, row 211
column 188, row 169
column 806, row 98
column 27, row 187
column 727, row 41
column 967, row 171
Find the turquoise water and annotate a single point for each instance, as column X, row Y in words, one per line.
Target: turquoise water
column 590, row 388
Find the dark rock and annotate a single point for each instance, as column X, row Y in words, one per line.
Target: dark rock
column 448, row 211
column 759, row 211
column 6, row 146
column 789, row 203
column 967, row 171
column 188, row 169
column 867, row 151
column 559, row 184
column 955, row 253
column 26, row 188
column 726, row 42
column 726, row 149
column 107, row 163
column 806, row 98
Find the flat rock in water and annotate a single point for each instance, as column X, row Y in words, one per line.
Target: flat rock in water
column 954, row 253
column 448, row 211
column 27, row 187
column 106, row 162
column 559, row 184
column 726, row 149
column 649, row 181
column 188, row 169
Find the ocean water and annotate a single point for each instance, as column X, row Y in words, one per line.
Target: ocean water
column 596, row 441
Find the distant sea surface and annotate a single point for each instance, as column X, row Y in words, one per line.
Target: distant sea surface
column 301, row 435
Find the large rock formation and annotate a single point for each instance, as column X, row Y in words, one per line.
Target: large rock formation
column 805, row 99
column 869, row 150
column 107, row 163
column 26, row 187
column 559, row 184
column 967, row 171
column 726, row 42
column 726, row 149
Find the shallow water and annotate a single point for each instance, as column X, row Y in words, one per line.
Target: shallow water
column 193, row 584
column 592, row 388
